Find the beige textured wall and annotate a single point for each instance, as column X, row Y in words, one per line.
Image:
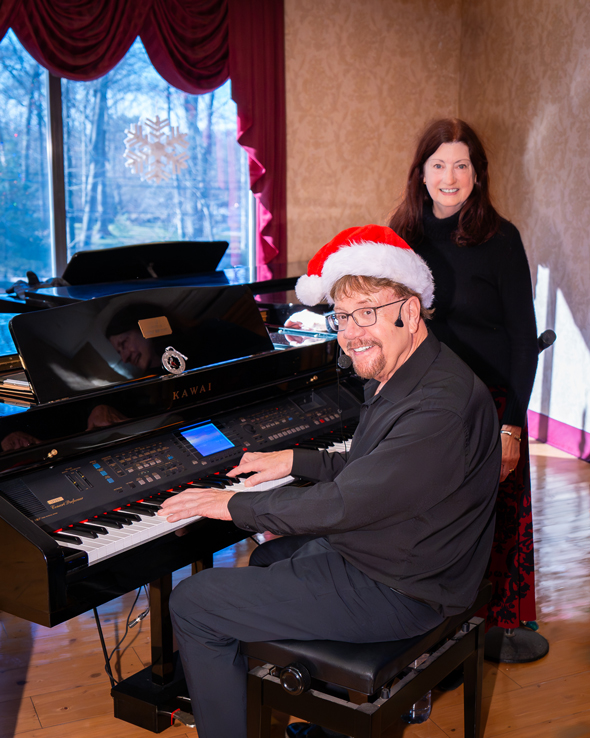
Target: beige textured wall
column 363, row 77
column 525, row 84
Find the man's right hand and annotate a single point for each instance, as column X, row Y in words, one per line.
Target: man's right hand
column 267, row 466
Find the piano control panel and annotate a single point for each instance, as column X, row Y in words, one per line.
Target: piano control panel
column 75, row 491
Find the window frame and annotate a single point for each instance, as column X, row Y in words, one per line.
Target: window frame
column 57, row 188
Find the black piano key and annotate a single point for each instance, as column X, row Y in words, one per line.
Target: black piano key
column 215, row 478
column 142, row 508
column 127, row 518
column 161, row 496
column 223, row 479
column 152, row 504
column 100, row 529
column 107, row 522
column 84, row 530
column 66, row 539
column 206, row 484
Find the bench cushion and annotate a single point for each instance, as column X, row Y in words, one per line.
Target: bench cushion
column 362, row 667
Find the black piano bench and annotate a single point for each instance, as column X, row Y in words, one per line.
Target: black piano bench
column 380, row 685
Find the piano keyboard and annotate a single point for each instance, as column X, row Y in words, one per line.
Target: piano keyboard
column 136, row 523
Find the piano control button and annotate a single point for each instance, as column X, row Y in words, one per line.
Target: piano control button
column 65, row 538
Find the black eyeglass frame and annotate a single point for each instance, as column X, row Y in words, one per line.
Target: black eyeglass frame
column 331, row 317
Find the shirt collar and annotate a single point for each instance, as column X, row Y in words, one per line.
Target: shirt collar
column 408, row 375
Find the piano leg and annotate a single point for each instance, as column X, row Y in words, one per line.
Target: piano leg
column 148, row 699
column 161, row 625
column 205, row 563
column 161, row 631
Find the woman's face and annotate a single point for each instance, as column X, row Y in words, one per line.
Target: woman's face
column 449, row 178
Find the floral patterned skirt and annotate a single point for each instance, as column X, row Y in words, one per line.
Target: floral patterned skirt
column 512, row 565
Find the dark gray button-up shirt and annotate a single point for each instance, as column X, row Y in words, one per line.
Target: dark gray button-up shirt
column 413, row 504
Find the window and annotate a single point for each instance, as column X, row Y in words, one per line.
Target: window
column 24, row 190
column 189, row 183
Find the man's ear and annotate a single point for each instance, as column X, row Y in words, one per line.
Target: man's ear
column 413, row 308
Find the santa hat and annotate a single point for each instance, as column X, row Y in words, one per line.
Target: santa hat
column 366, row 251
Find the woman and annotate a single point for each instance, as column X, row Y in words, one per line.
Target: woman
column 484, row 312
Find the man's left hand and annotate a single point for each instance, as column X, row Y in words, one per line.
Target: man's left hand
column 209, row 503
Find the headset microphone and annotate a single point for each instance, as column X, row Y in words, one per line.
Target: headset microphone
column 344, row 361
column 399, row 323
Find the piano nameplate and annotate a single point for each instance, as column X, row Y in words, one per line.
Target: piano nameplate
column 155, row 327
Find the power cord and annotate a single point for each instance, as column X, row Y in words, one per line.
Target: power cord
column 128, row 624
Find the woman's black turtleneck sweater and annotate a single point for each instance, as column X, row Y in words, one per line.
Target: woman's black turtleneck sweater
column 484, row 307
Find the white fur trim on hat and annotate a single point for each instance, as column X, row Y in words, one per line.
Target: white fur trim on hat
column 369, row 259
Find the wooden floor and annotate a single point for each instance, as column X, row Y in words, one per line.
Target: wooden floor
column 53, row 685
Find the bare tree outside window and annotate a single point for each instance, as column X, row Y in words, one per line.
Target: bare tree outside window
column 107, row 204
column 25, row 243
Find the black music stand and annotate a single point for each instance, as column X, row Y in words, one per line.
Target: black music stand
column 144, row 261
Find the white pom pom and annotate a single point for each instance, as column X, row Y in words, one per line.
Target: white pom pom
column 309, row 289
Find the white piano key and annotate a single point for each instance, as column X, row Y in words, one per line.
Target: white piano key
column 150, row 528
column 105, row 546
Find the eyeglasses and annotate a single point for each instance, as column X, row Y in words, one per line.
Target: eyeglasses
column 363, row 317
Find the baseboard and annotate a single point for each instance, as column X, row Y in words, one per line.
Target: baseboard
column 561, row 435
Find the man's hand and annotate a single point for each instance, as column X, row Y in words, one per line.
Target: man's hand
column 209, row 503
column 269, row 465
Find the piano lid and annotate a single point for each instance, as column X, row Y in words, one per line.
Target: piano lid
column 102, row 343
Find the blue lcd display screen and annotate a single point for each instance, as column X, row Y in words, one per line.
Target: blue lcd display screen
column 206, row 438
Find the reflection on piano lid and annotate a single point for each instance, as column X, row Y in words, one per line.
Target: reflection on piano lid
column 102, row 343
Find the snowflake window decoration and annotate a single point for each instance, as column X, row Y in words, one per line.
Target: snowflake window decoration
column 155, row 155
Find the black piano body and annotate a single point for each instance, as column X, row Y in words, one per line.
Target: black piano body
column 57, row 472
column 59, row 480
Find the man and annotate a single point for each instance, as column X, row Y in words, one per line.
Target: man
column 396, row 537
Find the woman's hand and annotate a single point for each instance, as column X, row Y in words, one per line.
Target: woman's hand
column 510, row 450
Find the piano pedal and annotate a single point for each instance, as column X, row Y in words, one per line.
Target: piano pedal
column 184, row 717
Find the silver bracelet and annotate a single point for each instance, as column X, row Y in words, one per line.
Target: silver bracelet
column 510, row 433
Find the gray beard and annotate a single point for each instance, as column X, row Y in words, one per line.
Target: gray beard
column 371, row 370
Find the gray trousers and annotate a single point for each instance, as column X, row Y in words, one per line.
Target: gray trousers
column 313, row 593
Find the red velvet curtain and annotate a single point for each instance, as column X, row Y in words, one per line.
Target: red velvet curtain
column 195, row 45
